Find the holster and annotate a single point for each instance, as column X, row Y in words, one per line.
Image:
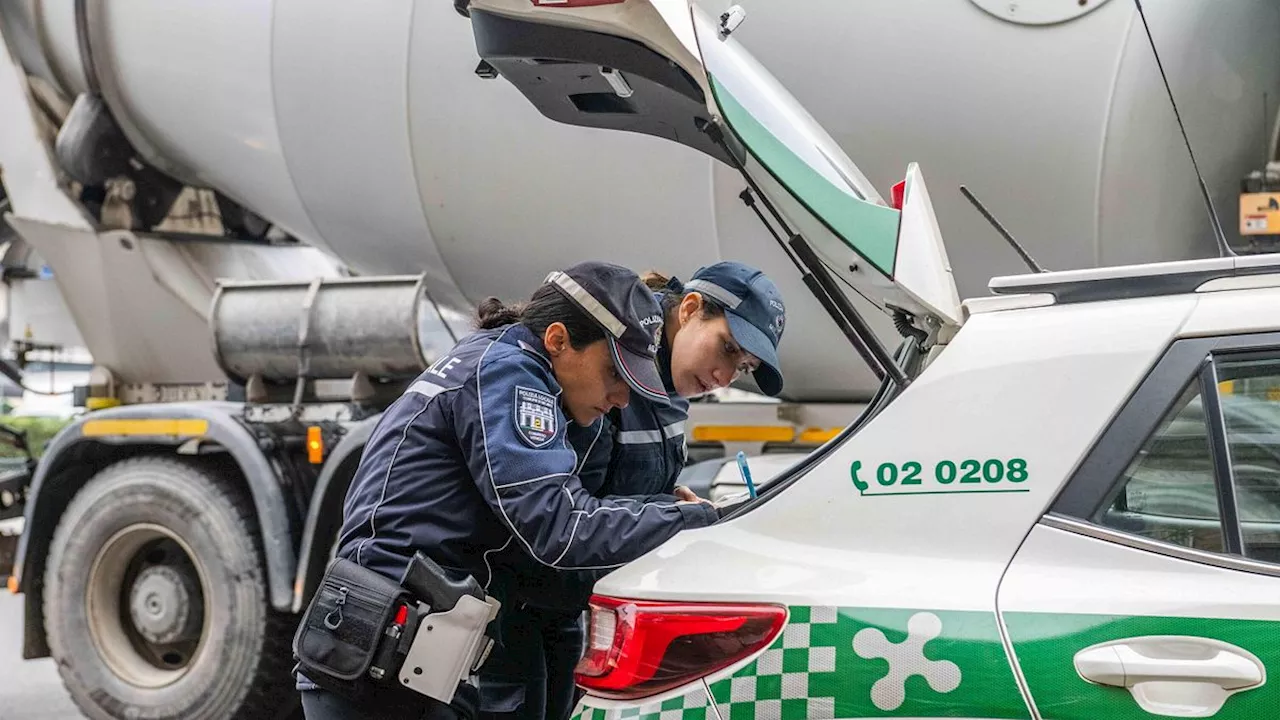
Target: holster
column 362, row 630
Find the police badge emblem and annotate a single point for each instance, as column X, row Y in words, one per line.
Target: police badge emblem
column 535, row 417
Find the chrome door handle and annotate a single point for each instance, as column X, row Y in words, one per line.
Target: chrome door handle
column 1179, row 676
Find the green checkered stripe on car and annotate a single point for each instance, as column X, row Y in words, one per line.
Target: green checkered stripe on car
column 690, row 706
column 843, row 662
column 776, row 685
column 847, row 662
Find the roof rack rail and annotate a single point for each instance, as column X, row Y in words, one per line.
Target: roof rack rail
column 1133, row 281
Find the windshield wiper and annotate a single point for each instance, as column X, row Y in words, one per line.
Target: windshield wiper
column 817, row 278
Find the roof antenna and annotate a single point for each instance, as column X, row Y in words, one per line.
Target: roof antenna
column 1026, row 257
column 1224, row 250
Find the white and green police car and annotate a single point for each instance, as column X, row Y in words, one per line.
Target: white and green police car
column 1063, row 503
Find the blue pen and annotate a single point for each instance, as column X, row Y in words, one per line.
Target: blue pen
column 746, row 473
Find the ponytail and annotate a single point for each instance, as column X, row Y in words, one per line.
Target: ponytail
column 673, row 293
column 493, row 313
column 672, row 290
column 656, row 281
column 548, row 305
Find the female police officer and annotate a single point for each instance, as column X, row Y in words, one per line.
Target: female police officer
column 472, row 459
column 728, row 320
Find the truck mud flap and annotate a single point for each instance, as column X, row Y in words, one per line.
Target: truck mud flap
column 8, row 549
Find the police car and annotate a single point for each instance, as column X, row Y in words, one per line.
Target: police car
column 1064, row 502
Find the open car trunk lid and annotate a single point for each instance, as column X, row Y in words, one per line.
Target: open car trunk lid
column 667, row 68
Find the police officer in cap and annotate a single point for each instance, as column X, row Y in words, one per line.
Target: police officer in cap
column 727, row 321
column 472, row 460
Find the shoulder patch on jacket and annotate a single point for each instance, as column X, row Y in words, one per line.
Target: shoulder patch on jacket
column 535, row 416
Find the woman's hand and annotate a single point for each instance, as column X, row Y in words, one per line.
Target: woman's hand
column 684, row 494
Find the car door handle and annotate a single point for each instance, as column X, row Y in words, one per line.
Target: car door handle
column 1173, row 675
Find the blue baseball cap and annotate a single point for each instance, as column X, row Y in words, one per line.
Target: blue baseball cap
column 755, row 311
column 616, row 300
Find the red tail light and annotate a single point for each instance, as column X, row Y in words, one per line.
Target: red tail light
column 897, row 193
column 637, row 648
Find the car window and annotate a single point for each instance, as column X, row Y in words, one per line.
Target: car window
column 1167, row 492
column 1250, row 396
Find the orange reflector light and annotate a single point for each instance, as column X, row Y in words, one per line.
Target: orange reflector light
column 743, row 433
column 13, row 584
column 315, row 446
column 818, row 436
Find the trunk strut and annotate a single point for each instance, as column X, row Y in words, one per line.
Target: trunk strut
column 817, row 277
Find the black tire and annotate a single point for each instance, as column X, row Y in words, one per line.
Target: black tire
column 240, row 667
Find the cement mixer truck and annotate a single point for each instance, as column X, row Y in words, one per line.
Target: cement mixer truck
column 267, row 217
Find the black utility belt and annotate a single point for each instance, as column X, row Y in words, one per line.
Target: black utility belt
column 427, row 633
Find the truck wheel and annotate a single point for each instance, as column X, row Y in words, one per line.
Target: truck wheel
column 155, row 601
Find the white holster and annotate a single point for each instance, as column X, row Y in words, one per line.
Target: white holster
column 448, row 648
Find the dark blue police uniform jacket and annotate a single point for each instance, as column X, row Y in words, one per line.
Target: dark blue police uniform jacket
column 473, row 460
column 638, row 450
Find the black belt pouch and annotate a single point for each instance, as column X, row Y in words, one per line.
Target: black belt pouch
column 338, row 638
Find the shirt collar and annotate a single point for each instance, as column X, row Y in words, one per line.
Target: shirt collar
column 522, row 337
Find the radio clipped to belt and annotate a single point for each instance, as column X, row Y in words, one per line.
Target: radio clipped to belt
column 428, row 633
